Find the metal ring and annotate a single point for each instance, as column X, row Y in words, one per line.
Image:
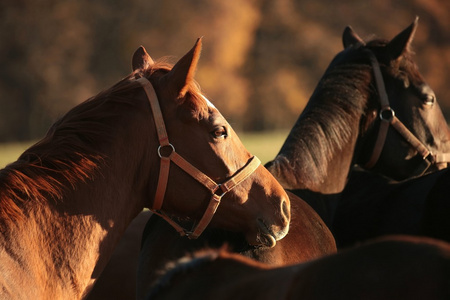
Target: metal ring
column 389, row 111
column 216, row 190
column 159, row 150
column 430, row 157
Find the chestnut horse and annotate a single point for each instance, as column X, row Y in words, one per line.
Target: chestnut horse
column 67, row 200
column 393, row 268
column 350, row 120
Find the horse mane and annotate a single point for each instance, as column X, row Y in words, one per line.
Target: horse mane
column 73, row 149
column 324, row 125
column 181, row 266
column 194, row 261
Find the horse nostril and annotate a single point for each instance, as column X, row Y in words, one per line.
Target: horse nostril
column 285, row 210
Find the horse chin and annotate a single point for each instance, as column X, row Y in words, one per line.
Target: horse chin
column 264, row 237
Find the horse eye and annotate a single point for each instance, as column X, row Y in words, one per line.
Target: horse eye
column 220, row 132
column 429, row 99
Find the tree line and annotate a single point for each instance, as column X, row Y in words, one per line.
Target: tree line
column 261, row 59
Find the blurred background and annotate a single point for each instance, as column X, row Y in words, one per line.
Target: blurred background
column 261, row 59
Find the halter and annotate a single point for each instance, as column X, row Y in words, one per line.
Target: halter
column 217, row 190
column 387, row 117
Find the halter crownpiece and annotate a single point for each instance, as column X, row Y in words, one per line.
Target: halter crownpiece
column 217, row 190
column 387, row 117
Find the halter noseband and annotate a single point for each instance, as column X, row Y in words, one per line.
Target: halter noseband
column 387, row 117
column 217, row 190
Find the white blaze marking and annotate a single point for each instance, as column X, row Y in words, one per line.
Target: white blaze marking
column 208, row 102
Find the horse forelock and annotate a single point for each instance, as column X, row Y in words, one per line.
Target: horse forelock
column 193, row 100
column 403, row 67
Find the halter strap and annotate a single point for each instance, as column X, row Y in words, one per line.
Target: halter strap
column 387, row 117
column 217, row 190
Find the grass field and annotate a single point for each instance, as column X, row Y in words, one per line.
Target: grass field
column 265, row 145
column 9, row 152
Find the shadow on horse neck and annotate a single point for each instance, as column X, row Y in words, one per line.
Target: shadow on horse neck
column 308, row 239
column 399, row 267
column 348, row 121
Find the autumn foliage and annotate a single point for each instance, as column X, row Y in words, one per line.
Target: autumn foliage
column 261, row 59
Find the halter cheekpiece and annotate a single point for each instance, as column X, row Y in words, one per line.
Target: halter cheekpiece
column 167, row 154
column 387, row 117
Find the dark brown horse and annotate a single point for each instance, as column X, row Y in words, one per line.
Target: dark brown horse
column 67, row 200
column 392, row 268
column 350, row 120
column 372, row 205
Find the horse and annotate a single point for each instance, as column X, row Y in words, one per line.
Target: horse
column 371, row 108
column 340, row 119
column 396, row 267
column 67, row 200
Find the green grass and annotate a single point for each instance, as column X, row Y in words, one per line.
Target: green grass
column 9, row 152
column 265, row 145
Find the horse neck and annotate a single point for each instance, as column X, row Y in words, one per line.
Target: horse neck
column 317, row 156
column 319, row 149
column 62, row 245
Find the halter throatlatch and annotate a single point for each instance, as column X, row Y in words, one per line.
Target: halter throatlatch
column 387, row 117
column 217, row 190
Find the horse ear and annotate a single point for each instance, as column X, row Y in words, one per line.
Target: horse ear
column 401, row 43
column 141, row 59
column 350, row 38
column 182, row 74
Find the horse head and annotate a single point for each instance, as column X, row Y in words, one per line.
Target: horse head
column 207, row 161
column 409, row 133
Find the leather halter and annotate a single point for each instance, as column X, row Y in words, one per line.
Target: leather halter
column 387, row 117
column 217, row 190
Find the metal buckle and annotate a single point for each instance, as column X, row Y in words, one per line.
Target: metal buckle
column 387, row 114
column 169, row 145
column 430, row 157
column 218, row 187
